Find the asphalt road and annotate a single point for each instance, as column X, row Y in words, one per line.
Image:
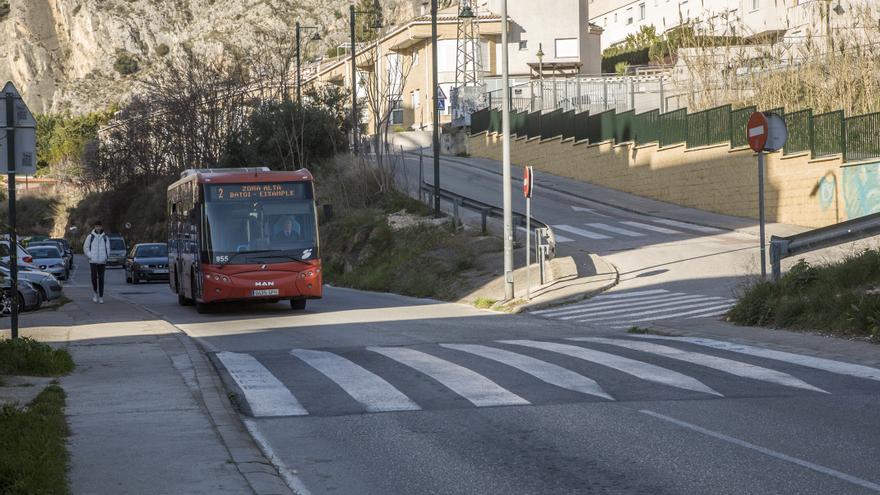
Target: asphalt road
column 375, row 393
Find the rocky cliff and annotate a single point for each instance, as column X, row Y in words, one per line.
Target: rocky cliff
column 80, row 55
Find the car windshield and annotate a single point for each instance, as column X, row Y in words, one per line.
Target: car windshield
column 152, row 251
column 260, row 229
column 117, row 244
column 43, row 252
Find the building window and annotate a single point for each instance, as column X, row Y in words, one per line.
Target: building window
column 397, row 113
column 629, row 20
column 615, row 17
column 415, row 59
column 756, row 4
column 417, row 99
column 567, row 48
column 523, row 45
column 641, row 12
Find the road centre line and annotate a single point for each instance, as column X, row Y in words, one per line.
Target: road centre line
column 371, row 390
column 639, row 369
column 542, row 370
column 829, row 365
column 476, row 388
column 725, row 365
column 772, row 453
column 265, row 394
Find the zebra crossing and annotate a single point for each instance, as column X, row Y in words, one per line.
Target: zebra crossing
column 628, row 308
column 383, row 379
column 629, row 229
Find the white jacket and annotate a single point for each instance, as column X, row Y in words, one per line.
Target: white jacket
column 97, row 247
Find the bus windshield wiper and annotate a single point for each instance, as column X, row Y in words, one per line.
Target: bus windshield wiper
column 271, row 253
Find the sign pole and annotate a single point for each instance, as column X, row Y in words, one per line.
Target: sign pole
column 528, row 248
column 762, row 226
column 13, row 241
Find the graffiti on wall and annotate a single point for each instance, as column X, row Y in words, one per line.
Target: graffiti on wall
column 861, row 189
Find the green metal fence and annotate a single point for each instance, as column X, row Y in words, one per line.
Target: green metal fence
column 718, row 125
column 533, row 124
column 495, row 121
column 862, row 137
column 518, row 123
column 600, row 126
column 551, row 124
column 828, row 134
column 480, row 121
column 568, row 129
column 646, row 127
column 673, row 127
column 739, row 122
column 581, row 126
column 623, row 126
column 800, row 132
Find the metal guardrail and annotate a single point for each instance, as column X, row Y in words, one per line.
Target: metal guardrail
column 486, row 210
column 851, row 230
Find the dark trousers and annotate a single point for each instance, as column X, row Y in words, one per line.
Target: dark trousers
column 98, row 278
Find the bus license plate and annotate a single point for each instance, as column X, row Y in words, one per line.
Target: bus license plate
column 266, row 292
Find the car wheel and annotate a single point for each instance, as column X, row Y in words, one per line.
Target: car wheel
column 5, row 304
column 202, row 308
column 297, row 304
column 21, row 305
column 42, row 291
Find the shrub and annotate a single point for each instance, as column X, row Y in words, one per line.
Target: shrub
column 26, row 356
column 125, row 64
column 162, row 50
column 4, row 9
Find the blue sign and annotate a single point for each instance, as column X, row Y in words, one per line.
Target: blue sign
column 441, row 105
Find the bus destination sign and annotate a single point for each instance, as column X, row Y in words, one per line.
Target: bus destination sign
column 251, row 192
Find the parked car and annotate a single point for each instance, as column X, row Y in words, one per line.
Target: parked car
column 67, row 249
column 147, row 261
column 68, row 256
column 23, row 255
column 50, row 259
column 45, row 283
column 27, row 296
column 118, row 250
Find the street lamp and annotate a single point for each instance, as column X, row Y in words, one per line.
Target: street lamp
column 466, row 12
column 505, row 158
column 377, row 25
column 314, row 37
column 540, row 55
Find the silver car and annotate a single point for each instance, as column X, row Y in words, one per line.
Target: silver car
column 50, row 259
column 45, row 283
column 28, row 297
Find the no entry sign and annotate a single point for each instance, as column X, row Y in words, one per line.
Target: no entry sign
column 766, row 132
column 528, row 182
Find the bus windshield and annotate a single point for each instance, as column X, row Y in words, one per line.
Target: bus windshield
column 251, row 228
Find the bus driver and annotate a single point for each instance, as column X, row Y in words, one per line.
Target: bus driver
column 290, row 232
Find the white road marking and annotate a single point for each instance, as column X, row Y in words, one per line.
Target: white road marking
column 265, row 394
column 737, row 368
column 712, row 302
column 676, row 302
column 616, row 230
column 294, row 482
column 559, row 238
column 710, row 315
column 364, row 386
column 654, row 228
column 589, row 210
column 678, row 315
column 605, row 304
column 639, row 369
column 772, row 453
column 476, row 388
column 624, row 295
column 688, row 226
column 829, row 365
column 542, row 370
column 580, row 232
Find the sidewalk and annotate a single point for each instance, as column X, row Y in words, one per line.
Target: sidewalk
column 147, row 411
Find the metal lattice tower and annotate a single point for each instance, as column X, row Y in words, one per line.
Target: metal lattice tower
column 468, row 66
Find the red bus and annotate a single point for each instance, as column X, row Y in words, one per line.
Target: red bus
column 243, row 234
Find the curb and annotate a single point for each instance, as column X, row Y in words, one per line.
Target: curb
column 262, row 474
column 536, row 306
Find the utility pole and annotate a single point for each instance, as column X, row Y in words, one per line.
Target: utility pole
column 505, row 158
column 298, row 71
column 13, row 240
column 435, row 112
column 354, row 96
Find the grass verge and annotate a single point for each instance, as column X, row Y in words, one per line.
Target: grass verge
column 484, row 302
column 841, row 297
column 34, row 459
column 26, row 356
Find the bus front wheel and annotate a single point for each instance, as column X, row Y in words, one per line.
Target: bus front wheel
column 297, row 304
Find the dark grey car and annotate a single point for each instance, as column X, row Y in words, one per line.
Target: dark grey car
column 45, row 283
column 147, row 262
column 28, row 297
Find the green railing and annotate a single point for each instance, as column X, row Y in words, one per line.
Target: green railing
column 739, row 122
column 862, row 137
column 623, row 126
column 800, row 132
column 673, row 127
column 646, row 127
column 856, row 138
column 828, row 134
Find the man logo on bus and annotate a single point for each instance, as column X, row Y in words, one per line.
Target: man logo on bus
column 306, row 254
column 264, row 283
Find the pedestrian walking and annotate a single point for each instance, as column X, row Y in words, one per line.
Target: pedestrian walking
column 97, row 250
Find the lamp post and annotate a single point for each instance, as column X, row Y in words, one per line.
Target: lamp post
column 540, row 56
column 435, row 114
column 314, row 37
column 377, row 25
column 505, row 157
